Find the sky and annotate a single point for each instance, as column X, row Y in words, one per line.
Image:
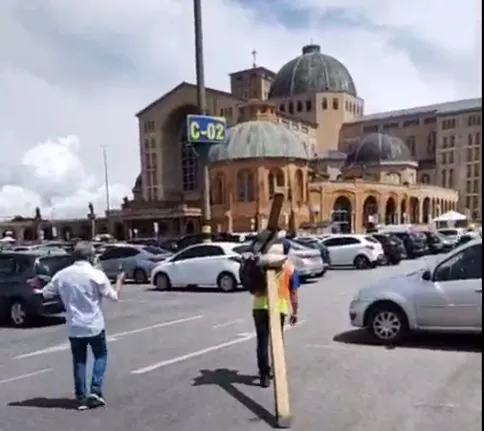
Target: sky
column 73, row 75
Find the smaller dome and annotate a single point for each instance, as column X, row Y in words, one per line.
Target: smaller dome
column 257, row 139
column 376, row 148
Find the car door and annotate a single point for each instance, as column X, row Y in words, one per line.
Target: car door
column 8, row 283
column 207, row 265
column 126, row 260
column 109, row 261
column 349, row 249
column 336, row 251
column 180, row 266
column 453, row 296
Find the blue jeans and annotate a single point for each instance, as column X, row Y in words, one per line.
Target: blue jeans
column 79, row 360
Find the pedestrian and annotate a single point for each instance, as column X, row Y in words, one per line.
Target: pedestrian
column 288, row 284
column 81, row 288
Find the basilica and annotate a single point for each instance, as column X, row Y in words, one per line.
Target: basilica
column 303, row 130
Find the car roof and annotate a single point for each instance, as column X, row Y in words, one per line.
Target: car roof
column 225, row 245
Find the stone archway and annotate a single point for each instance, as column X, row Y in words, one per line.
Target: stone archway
column 391, row 211
column 175, row 130
column 403, row 211
column 66, row 233
column 189, row 227
column 29, row 234
column 414, row 211
column 370, row 212
column 342, row 214
column 426, row 210
column 119, row 231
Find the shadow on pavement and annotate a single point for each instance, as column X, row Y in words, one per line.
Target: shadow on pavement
column 47, row 403
column 40, row 322
column 430, row 341
column 227, row 379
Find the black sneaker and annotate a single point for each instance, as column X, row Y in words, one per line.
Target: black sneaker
column 82, row 404
column 265, row 380
column 96, row 400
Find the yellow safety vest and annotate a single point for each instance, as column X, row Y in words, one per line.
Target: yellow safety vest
column 283, row 278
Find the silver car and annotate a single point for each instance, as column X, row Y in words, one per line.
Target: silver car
column 136, row 261
column 446, row 297
column 308, row 261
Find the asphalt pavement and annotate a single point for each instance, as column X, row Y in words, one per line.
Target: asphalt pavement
column 185, row 361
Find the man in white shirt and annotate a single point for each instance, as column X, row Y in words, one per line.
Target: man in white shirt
column 81, row 288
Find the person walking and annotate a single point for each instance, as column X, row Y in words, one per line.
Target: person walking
column 81, row 288
column 289, row 283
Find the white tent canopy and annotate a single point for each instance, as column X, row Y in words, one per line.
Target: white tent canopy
column 450, row 216
column 6, row 240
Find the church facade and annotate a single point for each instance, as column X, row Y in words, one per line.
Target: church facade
column 302, row 130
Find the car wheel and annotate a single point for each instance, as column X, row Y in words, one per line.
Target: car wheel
column 388, row 323
column 18, row 313
column 162, row 282
column 140, row 276
column 361, row 262
column 226, row 282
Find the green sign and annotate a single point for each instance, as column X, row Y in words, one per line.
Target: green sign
column 203, row 129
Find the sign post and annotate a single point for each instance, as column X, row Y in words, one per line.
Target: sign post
column 272, row 265
column 202, row 132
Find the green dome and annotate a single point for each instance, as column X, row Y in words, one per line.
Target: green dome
column 257, row 139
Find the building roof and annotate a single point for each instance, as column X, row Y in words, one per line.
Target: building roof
column 258, row 69
column 436, row 109
column 376, row 148
column 178, row 87
column 259, row 139
column 312, row 72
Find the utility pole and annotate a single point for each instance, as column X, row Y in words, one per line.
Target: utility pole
column 106, row 184
column 202, row 106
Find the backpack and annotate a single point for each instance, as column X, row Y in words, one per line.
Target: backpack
column 252, row 275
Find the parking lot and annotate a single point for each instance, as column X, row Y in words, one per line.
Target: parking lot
column 185, row 361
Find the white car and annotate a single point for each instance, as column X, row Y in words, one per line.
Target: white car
column 446, row 297
column 360, row 251
column 202, row 265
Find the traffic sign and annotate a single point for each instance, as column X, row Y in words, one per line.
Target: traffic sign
column 203, row 129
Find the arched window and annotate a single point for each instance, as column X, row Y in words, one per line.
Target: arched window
column 299, row 178
column 218, row 190
column 276, row 179
column 189, row 164
column 245, row 186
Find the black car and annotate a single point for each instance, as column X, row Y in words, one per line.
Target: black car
column 434, row 243
column 414, row 242
column 393, row 247
column 22, row 274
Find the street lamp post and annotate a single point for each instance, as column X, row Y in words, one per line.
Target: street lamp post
column 106, row 185
column 202, row 106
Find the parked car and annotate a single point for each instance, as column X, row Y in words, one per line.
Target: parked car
column 414, row 241
column 202, row 265
column 446, row 297
column 307, row 261
column 316, row 243
column 452, row 234
column 21, row 275
column 360, row 251
column 393, row 248
column 136, row 261
column 467, row 237
column 434, row 243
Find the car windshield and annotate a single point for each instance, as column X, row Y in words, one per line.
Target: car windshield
column 371, row 239
column 155, row 250
column 246, row 248
column 449, row 232
column 49, row 265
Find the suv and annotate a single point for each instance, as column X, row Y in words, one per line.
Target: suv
column 21, row 275
column 360, row 251
column 392, row 247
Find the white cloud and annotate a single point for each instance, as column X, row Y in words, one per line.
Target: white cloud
column 51, row 175
column 84, row 69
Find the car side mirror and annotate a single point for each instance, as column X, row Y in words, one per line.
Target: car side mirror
column 427, row 276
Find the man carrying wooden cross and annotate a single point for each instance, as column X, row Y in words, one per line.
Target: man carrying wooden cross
column 288, row 285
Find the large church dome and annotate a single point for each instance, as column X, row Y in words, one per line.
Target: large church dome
column 312, row 72
column 259, row 139
column 377, row 148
